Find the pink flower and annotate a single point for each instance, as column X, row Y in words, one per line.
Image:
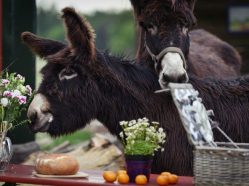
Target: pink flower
column 22, row 99
column 28, row 90
column 5, row 81
column 8, row 93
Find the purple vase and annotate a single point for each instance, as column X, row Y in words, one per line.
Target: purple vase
column 138, row 164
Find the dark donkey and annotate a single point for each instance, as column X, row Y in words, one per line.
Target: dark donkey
column 81, row 84
column 164, row 43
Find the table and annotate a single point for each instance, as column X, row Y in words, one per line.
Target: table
column 23, row 174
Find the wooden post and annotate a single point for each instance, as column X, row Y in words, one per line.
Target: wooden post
column 19, row 16
column 1, row 36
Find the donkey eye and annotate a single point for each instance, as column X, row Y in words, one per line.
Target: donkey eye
column 152, row 29
column 67, row 74
column 142, row 24
column 150, row 26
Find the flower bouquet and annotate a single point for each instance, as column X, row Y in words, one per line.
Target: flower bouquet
column 141, row 139
column 13, row 101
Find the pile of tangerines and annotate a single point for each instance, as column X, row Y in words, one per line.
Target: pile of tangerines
column 121, row 176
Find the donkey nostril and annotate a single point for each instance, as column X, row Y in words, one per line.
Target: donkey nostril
column 166, row 78
column 182, row 79
column 175, row 79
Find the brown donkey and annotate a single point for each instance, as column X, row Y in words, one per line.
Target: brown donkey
column 166, row 45
column 81, row 83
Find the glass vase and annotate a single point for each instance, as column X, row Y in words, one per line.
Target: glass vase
column 6, row 151
column 138, row 164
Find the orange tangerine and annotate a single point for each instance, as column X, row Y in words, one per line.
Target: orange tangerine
column 162, row 180
column 173, row 179
column 121, row 172
column 109, row 176
column 123, row 178
column 166, row 173
column 141, row 179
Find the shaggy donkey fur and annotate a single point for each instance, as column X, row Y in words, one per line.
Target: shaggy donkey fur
column 81, row 84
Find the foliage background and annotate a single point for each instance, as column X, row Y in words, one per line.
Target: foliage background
column 114, row 31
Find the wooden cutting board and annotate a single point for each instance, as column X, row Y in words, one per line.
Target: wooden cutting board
column 77, row 175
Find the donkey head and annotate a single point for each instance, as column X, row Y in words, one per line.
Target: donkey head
column 164, row 27
column 63, row 103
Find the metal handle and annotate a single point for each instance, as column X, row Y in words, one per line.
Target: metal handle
column 9, row 147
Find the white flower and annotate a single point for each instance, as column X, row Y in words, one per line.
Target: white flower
column 16, row 93
column 20, row 78
column 155, row 123
column 4, row 102
column 145, row 119
column 121, row 134
column 121, row 122
column 160, row 130
column 152, row 129
column 132, row 122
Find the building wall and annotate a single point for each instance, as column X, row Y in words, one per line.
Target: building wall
column 213, row 16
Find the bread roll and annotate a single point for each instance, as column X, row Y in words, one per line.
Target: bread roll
column 56, row 164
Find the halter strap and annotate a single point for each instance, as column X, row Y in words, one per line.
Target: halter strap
column 157, row 57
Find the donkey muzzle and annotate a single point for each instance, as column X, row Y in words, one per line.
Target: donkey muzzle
column 172, row 70
column 39, row 115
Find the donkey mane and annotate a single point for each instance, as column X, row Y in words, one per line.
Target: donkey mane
column 134, row 80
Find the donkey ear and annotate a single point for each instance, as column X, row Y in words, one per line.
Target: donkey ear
column 80, row 33
column 138, row 5
column 40, row 46
column 191, row 4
